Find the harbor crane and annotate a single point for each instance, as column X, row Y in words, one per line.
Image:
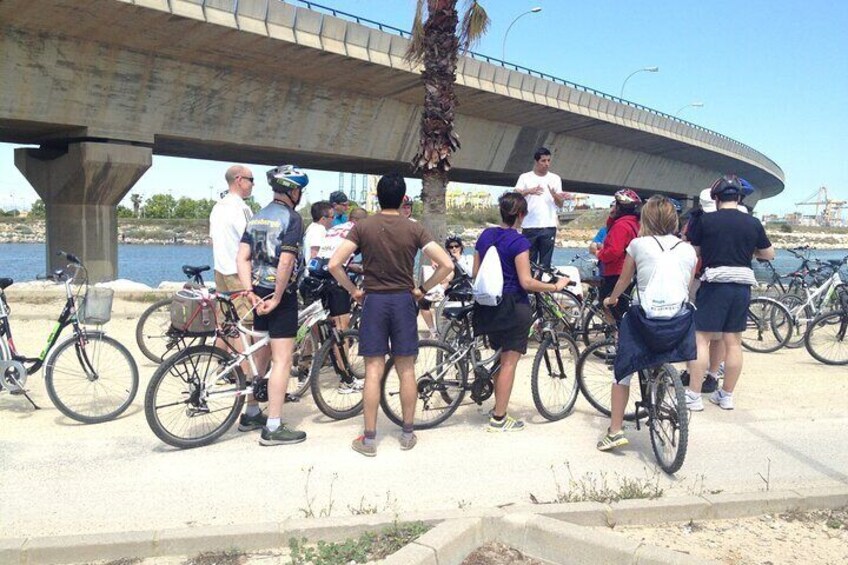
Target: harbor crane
column 828, row 211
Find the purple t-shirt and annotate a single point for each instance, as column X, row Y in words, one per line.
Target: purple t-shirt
column 509, row 244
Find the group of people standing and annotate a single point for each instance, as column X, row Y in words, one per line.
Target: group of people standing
column 262, row 254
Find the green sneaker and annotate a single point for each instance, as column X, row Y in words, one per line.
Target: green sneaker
column 612, row 441
column 281, row 436
column 508, row 424
column 250, row 423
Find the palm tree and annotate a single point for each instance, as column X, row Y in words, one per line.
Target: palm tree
column 136, row 202
column 436, row 43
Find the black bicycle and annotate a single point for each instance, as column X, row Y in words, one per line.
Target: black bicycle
column 156, row 337
column 659, row 398
column 90, row 377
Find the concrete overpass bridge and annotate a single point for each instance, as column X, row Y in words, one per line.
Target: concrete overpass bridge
column 101, row 85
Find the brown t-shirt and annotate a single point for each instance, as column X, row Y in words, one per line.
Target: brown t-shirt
column 388, row 244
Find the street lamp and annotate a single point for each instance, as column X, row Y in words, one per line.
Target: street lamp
column 644, row 70
column 692, row 105
column 535, row 10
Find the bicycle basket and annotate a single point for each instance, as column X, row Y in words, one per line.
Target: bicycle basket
column 194, row 313
column 96, row 307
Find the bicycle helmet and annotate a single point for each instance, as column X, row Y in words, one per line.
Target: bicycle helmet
column 726, row 184
column 286, row 177
column 338, row 197
column 407, row 201
column 627, row 198
column 453, row 239
column 311, row 288
column 677, row 205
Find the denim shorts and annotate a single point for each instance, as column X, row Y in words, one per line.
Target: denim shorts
column 389, row 323
column 722, row 307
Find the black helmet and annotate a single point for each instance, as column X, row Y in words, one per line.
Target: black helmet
column 453, row 239
column 286, row 177
column 727, row 184
column 338, row 197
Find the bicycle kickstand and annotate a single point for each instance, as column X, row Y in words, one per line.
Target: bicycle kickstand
column 639, row 405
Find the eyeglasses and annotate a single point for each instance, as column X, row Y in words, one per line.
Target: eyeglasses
column 454, row 247
column 250, row 179
column 329, row 216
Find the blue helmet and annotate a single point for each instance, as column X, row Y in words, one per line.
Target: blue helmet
column 287, row 177
column 677, row 205
column 747, row 188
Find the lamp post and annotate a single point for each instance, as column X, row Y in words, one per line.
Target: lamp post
column 691, row 105
column 644, row 70
column 535, row 10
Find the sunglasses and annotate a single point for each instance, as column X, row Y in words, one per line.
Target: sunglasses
column 247, row 178
column 454, row 247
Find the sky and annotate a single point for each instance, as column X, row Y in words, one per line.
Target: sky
column 772, row 74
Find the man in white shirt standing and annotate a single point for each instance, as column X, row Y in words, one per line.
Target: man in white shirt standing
column 322, row 219
column 543, row 191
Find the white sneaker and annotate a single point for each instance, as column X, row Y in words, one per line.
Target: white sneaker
column 724, row 400
column 356, row 386
column 694, row 402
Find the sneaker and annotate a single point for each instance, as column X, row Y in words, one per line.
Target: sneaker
column 281, row 436
column 694, row 402
column 250, row 423
column 508, row 424
column 408, row 443
column 360, row 446
column 349, row 388
column 611, row 441
column 722, row 399
column 710, row 383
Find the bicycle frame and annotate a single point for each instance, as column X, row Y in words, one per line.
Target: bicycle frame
column 821, row 295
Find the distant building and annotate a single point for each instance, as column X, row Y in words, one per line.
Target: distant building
column 474, row 199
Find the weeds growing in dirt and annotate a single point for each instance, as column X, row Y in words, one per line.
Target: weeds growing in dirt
column 596, row 487
column 231, row 556
column 311, row 511
column 390, row 504
column 368, row 547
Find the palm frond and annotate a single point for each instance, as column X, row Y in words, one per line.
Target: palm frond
column 415, row 51
column 475, row 23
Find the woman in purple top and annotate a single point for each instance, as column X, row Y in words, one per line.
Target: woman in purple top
column 507, row 325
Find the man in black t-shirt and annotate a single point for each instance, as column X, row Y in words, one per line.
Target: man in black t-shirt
column 726, row 241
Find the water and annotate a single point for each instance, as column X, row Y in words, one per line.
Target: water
column 152, row 264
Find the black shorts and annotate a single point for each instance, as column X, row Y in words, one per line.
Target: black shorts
column 605, row 289
column 424, row 304
column 722, row 307
column 336, row 300
column 281, row 322
column 507, row 325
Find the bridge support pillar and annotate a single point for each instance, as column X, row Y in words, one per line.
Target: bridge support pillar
column 81, row 186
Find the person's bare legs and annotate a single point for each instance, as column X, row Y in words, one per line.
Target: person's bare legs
column 281, row 360
column 732, row 360
column 698, row 367
column 405, row 367
column 504, row 381
column 618, row 402
column 374, row 367
column 429, row 320
column 717, row 354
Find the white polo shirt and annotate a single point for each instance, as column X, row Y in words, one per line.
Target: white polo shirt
column 227, row 223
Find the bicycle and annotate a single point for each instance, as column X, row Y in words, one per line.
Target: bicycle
column 156, row 337
column 821, row 299
column 769, row 325
column 660, row 398
column 775, row 287
column 825, row 335
column 90, row 377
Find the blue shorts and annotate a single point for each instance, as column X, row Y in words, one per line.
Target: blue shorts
column 389, row 322
column 722, row 307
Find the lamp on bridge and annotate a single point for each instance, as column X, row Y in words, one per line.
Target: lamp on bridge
column 644, row 70
column 692, row 105
column 535, row 10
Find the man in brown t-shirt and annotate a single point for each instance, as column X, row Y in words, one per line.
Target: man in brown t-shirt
column 388, row 243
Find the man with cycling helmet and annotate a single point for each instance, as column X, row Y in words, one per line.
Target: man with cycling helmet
column 406, row 208
column 726, row 240
column 268, row 259
column 340, row 206
column 623, row 227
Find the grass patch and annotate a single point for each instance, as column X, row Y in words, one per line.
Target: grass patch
column 598, row 487
column 368, row 547
column 231, row 556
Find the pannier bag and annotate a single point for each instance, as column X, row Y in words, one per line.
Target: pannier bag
column 194, row 312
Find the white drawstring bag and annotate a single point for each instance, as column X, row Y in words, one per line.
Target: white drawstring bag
column 667, row 290
column 488, row 286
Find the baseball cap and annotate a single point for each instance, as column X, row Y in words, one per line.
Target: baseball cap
column 338, row 197
column 707, row 203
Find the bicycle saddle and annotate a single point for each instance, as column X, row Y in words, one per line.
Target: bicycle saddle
column 5, row 282
column 457, row 312
column 834, row 262
column 194, row 271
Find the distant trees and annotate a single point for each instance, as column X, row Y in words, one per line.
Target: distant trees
column 157, row 207
column 38, row 210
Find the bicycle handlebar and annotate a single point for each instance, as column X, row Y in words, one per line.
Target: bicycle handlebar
column 70, row 257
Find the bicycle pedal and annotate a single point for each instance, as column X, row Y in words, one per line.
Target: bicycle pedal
column 292, row 398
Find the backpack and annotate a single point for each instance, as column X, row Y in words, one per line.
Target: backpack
column 666, row 291
column 488, row 286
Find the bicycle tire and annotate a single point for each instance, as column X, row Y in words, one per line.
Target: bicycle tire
column 155, row 337
column 668, row 404
column 432, row 386
column 570, row 307
column 175, row 374
column 595, row 378
column 800, row 321
column 328, row 386
column 551, row 369
column 114, row 383
column 594, row 327
column 769, row 326
column 818, row 336
column 300, row 375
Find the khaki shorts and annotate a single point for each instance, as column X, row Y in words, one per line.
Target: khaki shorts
column 231, row 283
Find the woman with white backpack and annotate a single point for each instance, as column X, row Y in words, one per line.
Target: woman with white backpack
column 502, row 306
column 659, row 328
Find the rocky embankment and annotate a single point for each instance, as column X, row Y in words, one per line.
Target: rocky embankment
column 139, row 232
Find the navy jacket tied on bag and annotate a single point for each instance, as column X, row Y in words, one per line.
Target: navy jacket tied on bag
column 644, row 342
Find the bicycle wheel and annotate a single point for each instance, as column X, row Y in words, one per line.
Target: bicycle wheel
column 595, row 378
column 441, row 385
column 301, row 370
column 187, row 403
column 595, row 327
column 801, row 316
column 92, row 378
column 562, row 309
column 825, row 338
column 337, row 377
column 553, row 381
column 769, row 326
column 668, row 419
column 155, row 337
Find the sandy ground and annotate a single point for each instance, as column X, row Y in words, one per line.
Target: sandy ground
column 60, row 477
